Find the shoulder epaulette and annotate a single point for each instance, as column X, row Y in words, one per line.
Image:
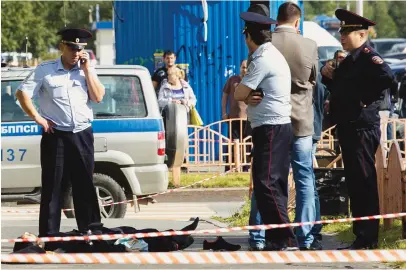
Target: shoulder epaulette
column 48, row 62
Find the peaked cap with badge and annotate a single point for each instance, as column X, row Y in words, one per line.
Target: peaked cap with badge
column 75, row 38
column 258, row 13
column 351, row 21
column 257, row 16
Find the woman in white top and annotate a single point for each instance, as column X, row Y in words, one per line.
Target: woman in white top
column 176, row 90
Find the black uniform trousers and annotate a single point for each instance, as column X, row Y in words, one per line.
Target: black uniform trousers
column 270, row 169
column 358, row 151
column 67, row 158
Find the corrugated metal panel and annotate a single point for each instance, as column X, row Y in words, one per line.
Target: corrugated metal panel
column 142, row 27
column 211, row 62
column 148, row 26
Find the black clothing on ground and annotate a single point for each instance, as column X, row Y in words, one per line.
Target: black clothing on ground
column 155, row 244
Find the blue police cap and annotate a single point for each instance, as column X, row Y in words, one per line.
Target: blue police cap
column 75, row 38
column 351, row 21
column 258, row 13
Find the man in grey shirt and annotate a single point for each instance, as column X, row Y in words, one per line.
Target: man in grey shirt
column 266, row 89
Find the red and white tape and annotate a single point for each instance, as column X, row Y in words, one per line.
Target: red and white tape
column 211, row 231
column 212, row 257
column 129, row 201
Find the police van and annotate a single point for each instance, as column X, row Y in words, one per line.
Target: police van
column 132, row 150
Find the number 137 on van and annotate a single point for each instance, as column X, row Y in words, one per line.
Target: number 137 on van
column 13, row 154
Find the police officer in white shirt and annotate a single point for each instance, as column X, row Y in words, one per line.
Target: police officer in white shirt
column 266, row 88
column 64, row 88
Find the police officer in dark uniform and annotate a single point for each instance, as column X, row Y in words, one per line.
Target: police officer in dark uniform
column 64, row 88
column 357, row 88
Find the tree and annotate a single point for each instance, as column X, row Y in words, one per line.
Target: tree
column 19, row 21
column 396, row 10
column 388, row 15
column 41, row 20
column 385, row 26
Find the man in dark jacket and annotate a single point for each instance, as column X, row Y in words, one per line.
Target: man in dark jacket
column 356, row 88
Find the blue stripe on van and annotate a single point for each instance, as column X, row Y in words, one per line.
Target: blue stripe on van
column 99, row 126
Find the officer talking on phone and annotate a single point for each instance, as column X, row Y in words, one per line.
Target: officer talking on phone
column 64, row 88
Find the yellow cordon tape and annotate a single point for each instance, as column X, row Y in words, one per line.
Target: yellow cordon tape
column 129, row 201
column 212, row 257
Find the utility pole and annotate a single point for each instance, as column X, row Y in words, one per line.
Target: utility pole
column 26, row 51
column 360, row 8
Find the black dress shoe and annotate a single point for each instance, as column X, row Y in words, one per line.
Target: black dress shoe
column 316, row 245
column 220, row 244
column 359, row 244
column 191, row 227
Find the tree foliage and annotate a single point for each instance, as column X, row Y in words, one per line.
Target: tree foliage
column 41, row 20
column 389, row 15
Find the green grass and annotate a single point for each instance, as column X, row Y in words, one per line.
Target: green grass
column 224, row 181
column 389, row 239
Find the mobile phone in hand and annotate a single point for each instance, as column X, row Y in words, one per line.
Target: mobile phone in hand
column 82, row 60
column 258, row 92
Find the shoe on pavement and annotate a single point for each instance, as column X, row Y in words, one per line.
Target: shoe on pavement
column 220, row 244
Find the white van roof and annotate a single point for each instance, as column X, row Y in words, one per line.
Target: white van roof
column 320, row 35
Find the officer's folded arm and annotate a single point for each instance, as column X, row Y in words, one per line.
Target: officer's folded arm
column 94, row 86
column 242, row 92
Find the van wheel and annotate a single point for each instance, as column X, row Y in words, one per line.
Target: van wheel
column 108, row 191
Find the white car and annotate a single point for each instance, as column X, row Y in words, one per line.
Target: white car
column 129, row 140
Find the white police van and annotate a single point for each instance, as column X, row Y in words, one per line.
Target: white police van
column 132, row 151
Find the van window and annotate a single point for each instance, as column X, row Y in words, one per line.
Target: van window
column 124, row 98
column 10, row 107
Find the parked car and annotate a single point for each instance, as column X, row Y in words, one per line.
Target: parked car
column 384, row 45
column 129, row 141
column 398, row 48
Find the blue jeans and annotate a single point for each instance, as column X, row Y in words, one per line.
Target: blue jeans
column 257, row 237
column 303, row 174
column 316, row 230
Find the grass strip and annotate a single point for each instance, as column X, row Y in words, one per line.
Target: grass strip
column 224, row 181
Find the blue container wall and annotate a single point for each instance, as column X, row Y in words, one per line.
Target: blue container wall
column 147, row 26
column 150, row 26
column 143, row 27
